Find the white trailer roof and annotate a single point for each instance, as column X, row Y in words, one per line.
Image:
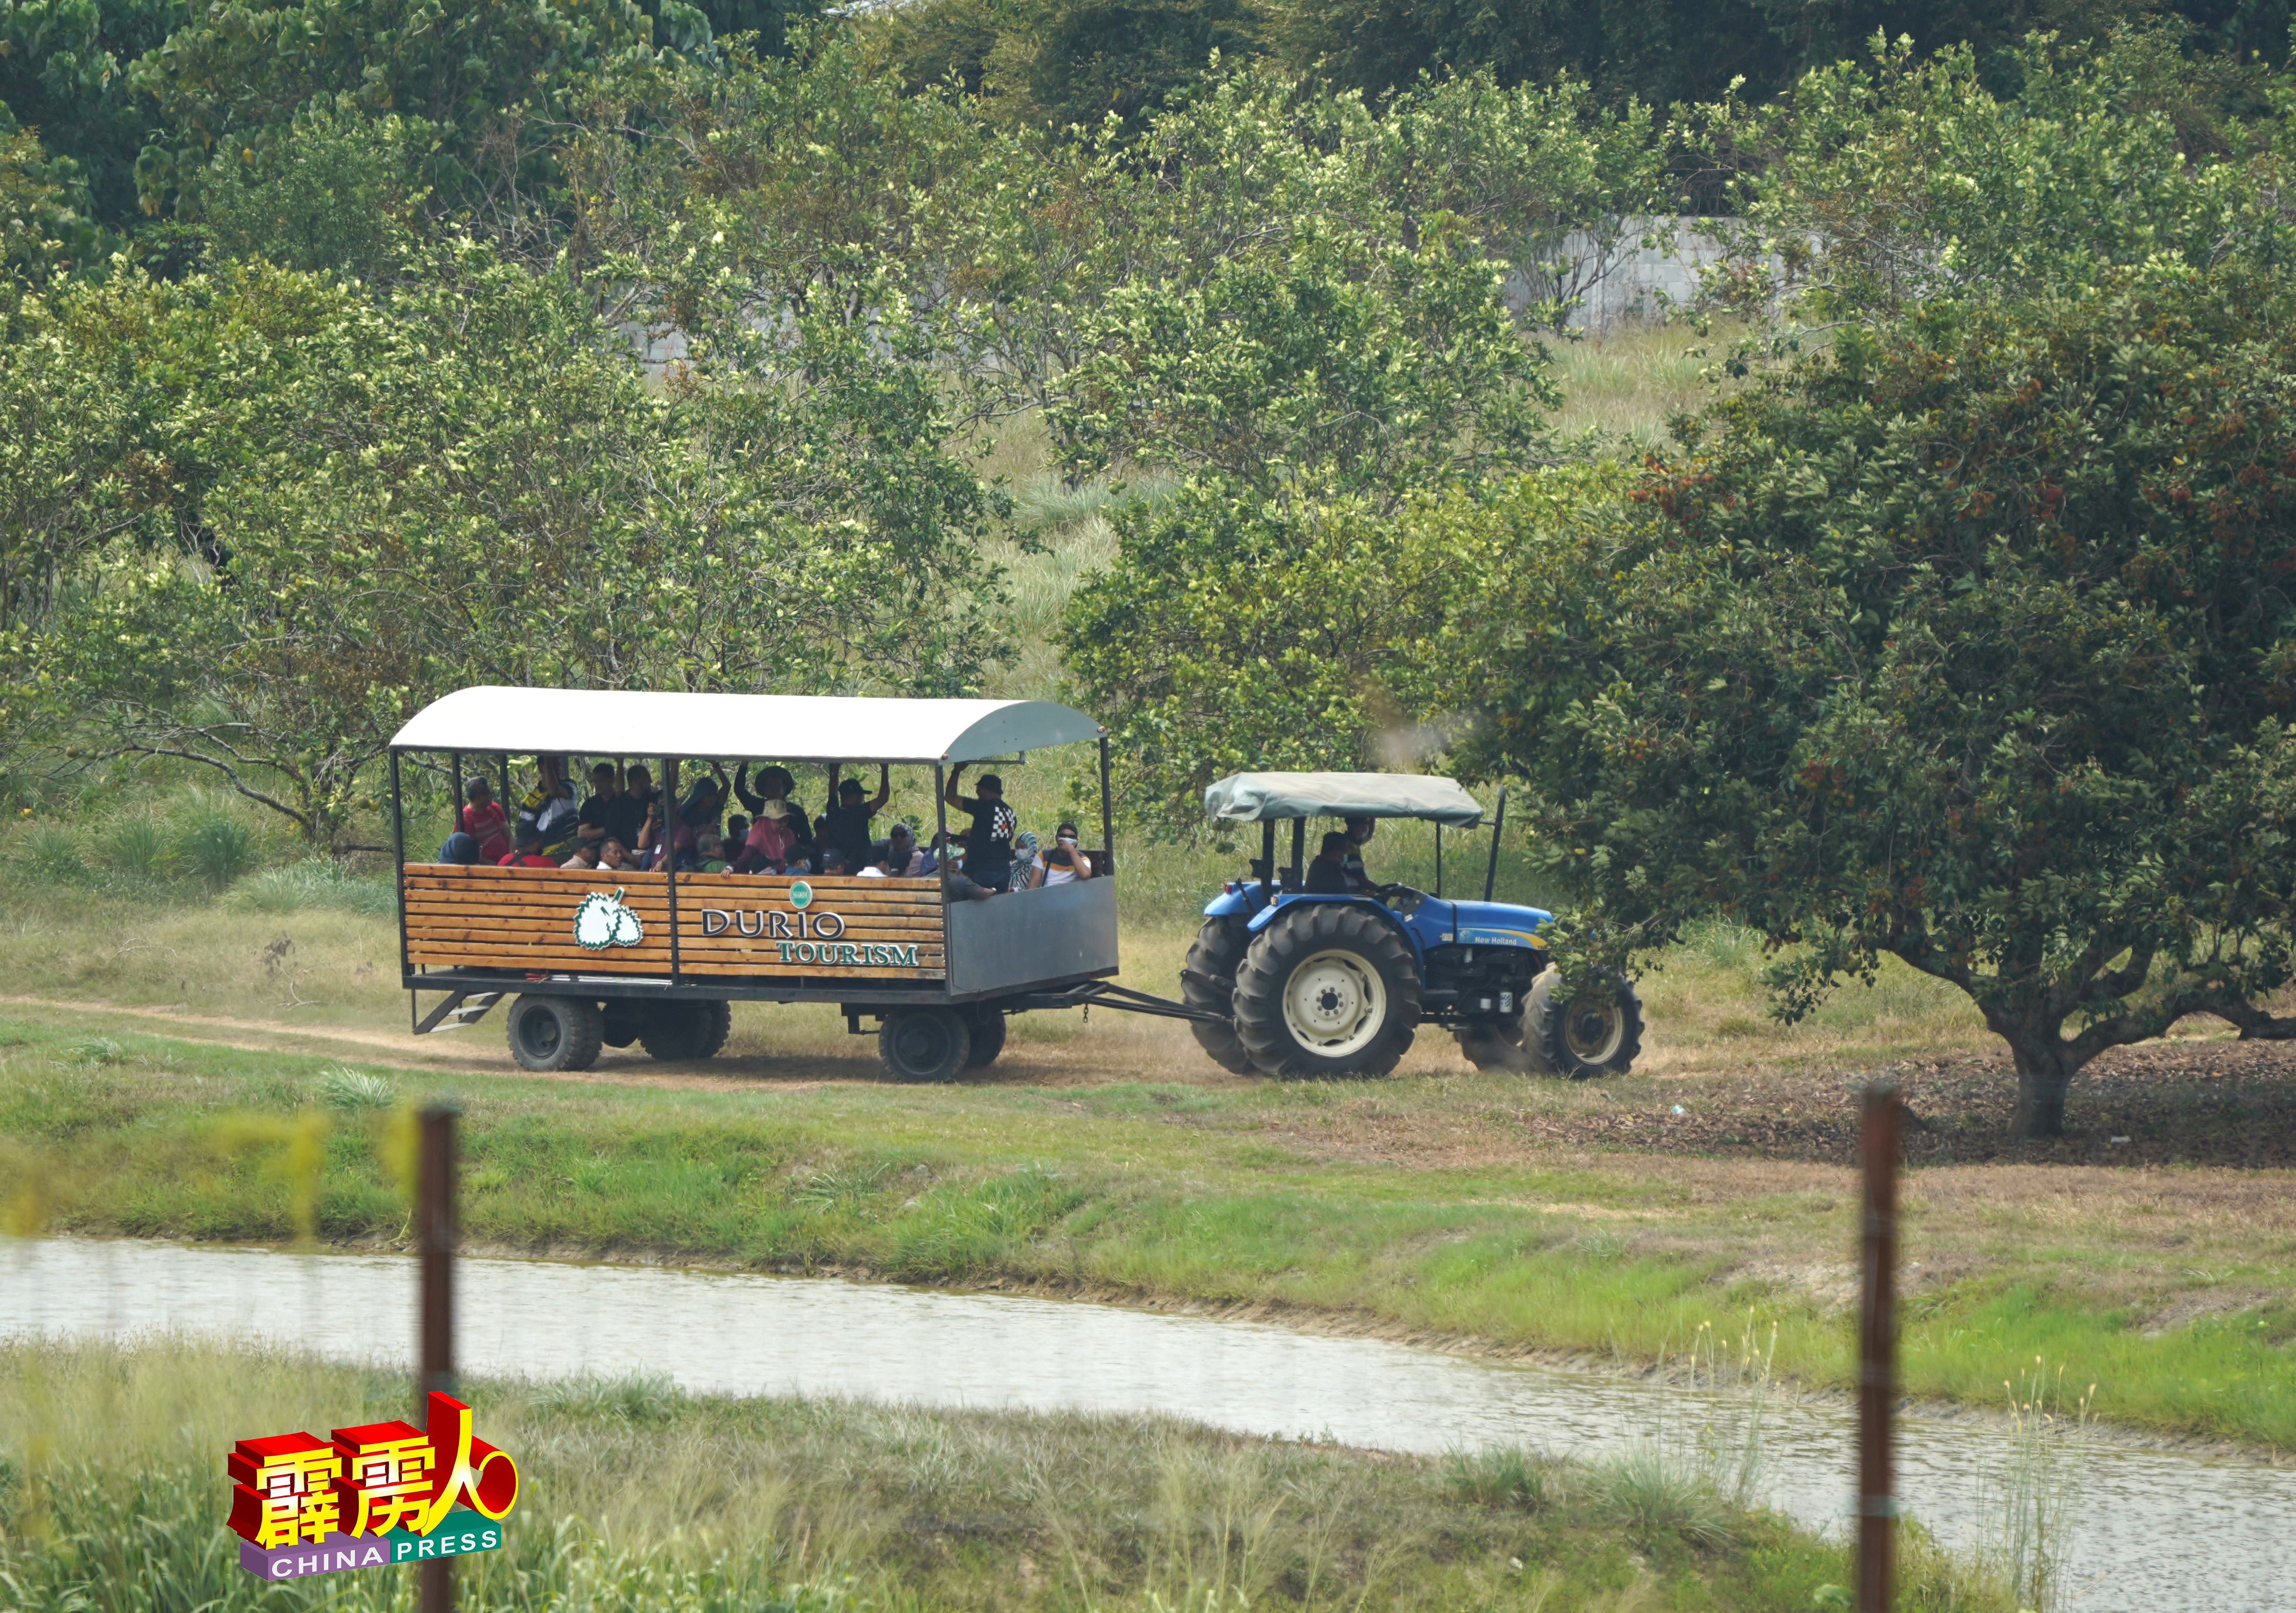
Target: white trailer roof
column 737, row 727
column 1248, row 798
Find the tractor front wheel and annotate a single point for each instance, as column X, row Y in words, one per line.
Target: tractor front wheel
column 1595, row 1033
column 1328, row 990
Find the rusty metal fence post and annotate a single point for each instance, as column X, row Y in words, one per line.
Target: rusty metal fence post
column 1877, row 1351
column 434, row 1241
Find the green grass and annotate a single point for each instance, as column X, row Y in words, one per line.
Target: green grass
column 638, row 1498
column 1246, row 1193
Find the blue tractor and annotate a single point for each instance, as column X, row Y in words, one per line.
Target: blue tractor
column 1293, row 982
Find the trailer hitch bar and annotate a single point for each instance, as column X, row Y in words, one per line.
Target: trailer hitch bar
column 1108, row 993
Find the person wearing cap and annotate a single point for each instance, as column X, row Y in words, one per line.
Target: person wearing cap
column 1063, row 865
column 484, row 820
column 845, row 825
column 989, row 844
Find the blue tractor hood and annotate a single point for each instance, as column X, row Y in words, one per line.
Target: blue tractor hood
column 1498, row 924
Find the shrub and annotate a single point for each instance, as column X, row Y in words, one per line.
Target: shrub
column 218, row 850
column 1500, row 1476
column 343, row 1087
column 137, row 848
column 1649, row 1495
column 50, row 853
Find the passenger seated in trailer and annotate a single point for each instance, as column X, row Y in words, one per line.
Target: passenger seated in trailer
column 637, row 783
column 528, row 852
column 1063, row 865
column 609, row 855
column 709, row 853
column 548, row 808
column 484, row 819
column 705, row 801
column 657, row 850
column 460, row 849
column 899, row 856
column 1024, row 862
column 774, row 784
column 1327, row 872
column 846, row 824
column 765, row 849
column 609, row 814
column 830, row 860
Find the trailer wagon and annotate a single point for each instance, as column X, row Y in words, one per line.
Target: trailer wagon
column 590, row 957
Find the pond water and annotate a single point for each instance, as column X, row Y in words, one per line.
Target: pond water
column 2157, row 1530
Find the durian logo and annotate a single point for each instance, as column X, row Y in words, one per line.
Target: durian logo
column 602, row 922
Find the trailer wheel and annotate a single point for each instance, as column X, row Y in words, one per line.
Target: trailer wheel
column 987, row 1026
column 924, row 1043
column 686, row 1030
column 1207, row 982
column 1597, row 1033
column 1328, row 990
column 555, row 1032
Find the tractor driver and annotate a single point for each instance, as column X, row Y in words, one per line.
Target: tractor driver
column 1327, row 872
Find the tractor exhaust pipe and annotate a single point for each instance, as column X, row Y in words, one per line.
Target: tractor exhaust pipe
column 1498, row 822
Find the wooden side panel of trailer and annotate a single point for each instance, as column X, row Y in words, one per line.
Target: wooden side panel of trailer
column 749, row 924
column 729, row 926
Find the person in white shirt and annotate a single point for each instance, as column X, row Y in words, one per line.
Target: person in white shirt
column 1063, row 865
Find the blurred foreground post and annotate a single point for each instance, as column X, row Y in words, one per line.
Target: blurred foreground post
column 434, row 1244
column 1877, row 1351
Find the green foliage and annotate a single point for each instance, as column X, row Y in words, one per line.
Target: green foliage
column 1232, row 634
column 63, row 76
column 1875, row 187
column 477, row 83
column 335, row 193
column 1965, row 643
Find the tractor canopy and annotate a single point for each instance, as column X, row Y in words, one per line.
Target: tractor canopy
column 1252, row 797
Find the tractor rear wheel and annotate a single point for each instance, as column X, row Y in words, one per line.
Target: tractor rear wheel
column 1594, row 1033
column 1328, row 990
column 1207, row 982
column 686, row 1030
column 924, row 1043
column 550, row 1034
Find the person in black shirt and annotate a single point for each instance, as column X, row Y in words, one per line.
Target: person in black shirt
column 989, row 844
column 609, row 814
column 1327, row 873
column 846, row 825
column 774, row 784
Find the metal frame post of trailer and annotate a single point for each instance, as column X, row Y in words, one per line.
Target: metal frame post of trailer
column 592, row 957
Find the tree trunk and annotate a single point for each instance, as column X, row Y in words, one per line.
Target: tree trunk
column 2045, row 1070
